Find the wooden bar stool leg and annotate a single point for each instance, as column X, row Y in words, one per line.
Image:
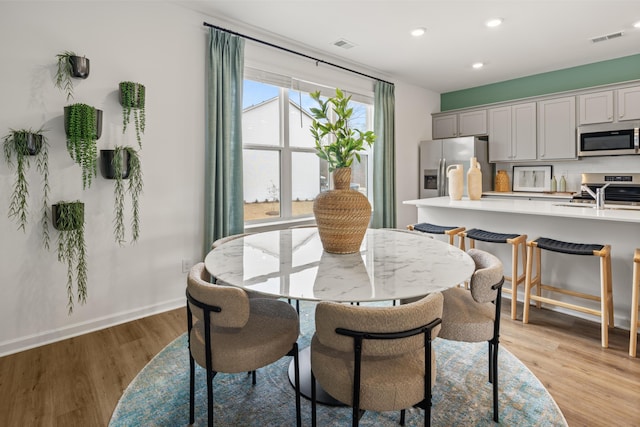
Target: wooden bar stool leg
column 527, row 284
column 635, row 295
column 604, row 303
column 514, row 281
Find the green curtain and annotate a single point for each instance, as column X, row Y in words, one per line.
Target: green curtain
column 384, row 159
column 224, row 210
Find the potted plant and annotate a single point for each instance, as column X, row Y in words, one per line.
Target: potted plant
column 70, row 65
column 68, row 219
column 342, row 214
column 132, row 98
column 23, row 144
column 119, row 164
column 83, row 126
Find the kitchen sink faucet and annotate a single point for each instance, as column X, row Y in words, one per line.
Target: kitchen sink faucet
column 598, row 196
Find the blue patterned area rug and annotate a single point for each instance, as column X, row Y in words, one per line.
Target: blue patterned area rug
column 159, row 395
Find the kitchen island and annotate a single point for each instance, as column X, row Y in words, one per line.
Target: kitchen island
column 617, row 225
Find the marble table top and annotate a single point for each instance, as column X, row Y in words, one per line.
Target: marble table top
column 392, row 264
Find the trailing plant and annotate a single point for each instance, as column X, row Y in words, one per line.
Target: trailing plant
column 132, row 98
column 22, row 144
column 336, row 141
column 68, row 218
column 70, row 65
column 82, row 134
column 134, row 189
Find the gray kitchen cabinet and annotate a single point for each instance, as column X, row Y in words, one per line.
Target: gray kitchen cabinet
column 629, row 103
column 512, row 133
column 595, row 107
column 468, row 123
column 557, row 128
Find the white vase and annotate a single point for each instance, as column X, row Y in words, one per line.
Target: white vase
column 474, row 180
column 456, row 183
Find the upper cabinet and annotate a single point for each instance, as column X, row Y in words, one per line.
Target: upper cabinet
column 557, row 128
column 629, row 103
column 512, row 133
column 598, row 107
column 468, row 123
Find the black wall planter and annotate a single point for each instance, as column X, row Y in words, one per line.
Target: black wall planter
column 34, row 143
column 79, row 66
column 106, row 163
column 66, row 210
column 98, row 121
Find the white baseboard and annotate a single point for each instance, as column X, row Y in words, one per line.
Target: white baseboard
column 37, row 340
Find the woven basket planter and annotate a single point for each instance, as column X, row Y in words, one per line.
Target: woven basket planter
column 342, row 215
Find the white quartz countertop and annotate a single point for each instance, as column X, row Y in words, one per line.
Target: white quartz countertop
column 530, row 195
column 620, row 213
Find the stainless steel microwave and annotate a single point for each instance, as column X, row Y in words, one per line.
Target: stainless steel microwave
column 609, row 139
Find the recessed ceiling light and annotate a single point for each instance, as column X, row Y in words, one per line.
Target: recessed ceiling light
column 494, row 22
column 417, row 32
column 478, row 65
column 637, row 24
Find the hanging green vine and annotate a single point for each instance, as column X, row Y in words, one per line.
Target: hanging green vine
column 134, row 189
column 22, row 144
column 132, row 98
column 82, row 134
column 63, row 75
column 72, row 249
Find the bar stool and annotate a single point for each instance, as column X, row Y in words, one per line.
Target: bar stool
column 635, row 296
column 516, row 241
column 425, row 227
column 606, row 295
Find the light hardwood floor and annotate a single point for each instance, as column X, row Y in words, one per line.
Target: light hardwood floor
column 77, row 382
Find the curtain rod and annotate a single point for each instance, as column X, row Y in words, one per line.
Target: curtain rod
column 317, row 60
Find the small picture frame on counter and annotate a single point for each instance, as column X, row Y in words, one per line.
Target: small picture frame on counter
column 535, row 179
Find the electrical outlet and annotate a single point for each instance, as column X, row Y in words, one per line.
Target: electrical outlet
column 186, row 265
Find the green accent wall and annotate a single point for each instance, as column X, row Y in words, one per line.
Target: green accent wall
column 584, row 76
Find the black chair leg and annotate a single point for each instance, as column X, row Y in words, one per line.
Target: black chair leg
column 402, row 413
column 191, row 389
column 313, row 400
column 296, row 364
column 253, row 377
column 495, row 383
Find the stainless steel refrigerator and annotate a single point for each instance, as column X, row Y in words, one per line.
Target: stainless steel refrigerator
column 437, row 155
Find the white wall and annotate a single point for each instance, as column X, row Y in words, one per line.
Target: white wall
column 414, row 106
column 161, row 45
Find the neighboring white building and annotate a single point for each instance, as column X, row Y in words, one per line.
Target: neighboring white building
column 261, row 175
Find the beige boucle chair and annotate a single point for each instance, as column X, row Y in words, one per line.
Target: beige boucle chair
column 474, row 315
column 231, row 333
column 376, row 358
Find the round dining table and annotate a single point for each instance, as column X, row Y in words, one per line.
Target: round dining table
column 391, row 264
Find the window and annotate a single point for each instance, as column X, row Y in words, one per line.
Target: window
column 282, row 174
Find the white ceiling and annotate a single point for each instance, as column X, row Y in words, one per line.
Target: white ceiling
column 537, row 35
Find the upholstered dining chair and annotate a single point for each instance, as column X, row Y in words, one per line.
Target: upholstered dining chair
column 231, row 333
column 376, row 358
column 473, row 315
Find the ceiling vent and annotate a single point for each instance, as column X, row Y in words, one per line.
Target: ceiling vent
column 607, row 37
column 344, row 44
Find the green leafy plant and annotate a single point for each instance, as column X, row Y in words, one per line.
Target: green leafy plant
column 22, row 144
column 81, row 126
column 68, row 218
column 134, row 189
column 70, row 65
column 336, row 141
column 132, row 98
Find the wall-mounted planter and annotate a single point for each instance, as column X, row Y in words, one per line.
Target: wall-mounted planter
column 20, row 147
column 67, row 216
column 79, row 66
column 83, row 126
column 70, row 66
column 132, row 99
column 107, row 165
column 85, row 132
column 68, row 219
